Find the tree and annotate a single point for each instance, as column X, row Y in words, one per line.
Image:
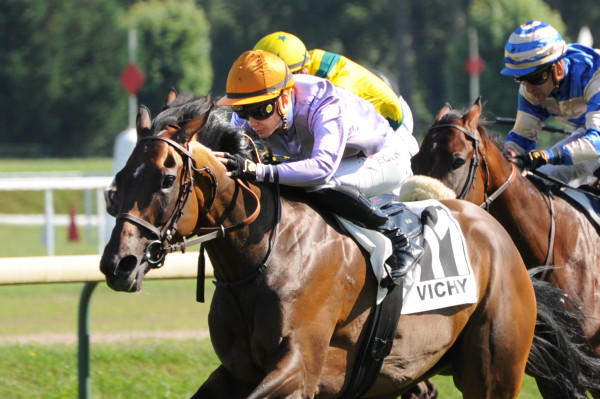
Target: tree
column 494, row 21
column 60, row 77
column 173, row 48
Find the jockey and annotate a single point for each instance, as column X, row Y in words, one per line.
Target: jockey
column 343, row 73
column 340, row 149
column 556, row 80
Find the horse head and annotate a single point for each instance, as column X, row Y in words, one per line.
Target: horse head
column 458, row 150
column 150, row 195
column 449, row 150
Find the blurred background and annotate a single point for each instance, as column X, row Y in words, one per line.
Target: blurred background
column 62, row 61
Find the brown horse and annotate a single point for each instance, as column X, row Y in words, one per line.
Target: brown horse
column 547, row 230
column 294, row 292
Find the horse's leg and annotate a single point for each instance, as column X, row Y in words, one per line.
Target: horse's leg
column 495, row 348
column 221, row 384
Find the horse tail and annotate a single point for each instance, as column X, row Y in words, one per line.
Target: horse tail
column 561, row 360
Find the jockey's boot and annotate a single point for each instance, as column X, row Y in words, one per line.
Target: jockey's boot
column 406, row 252
column 350, row 203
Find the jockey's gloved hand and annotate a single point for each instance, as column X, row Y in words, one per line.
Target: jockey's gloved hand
column 240, row 167
column 532, row 160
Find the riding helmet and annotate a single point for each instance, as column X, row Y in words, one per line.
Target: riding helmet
column 256, row 76
column 531, row 46
column 288, row 47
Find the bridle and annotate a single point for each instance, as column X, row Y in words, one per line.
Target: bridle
column 474, row 164
column 156, row 250
column 489, row 199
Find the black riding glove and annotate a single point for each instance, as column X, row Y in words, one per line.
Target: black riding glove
column 532, row 160
column 240, row 167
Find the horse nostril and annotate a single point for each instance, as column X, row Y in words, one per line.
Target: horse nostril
column 127, row 265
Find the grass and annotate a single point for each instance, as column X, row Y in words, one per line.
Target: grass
column 142, row 369
column 133, row 368
column 29, row 240
column 161, row 305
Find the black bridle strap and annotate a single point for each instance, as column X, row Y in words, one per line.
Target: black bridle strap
column 215, row 232
column 182, row 150
column 474, row 160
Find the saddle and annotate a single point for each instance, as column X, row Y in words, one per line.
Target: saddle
column 585, row 198
column 585, row 201
column 399, row 214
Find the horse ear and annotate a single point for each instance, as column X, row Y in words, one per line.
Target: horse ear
column 442, row 112
column 191, row 128
column 171, row 96
column 143, row 123
column 471, row 118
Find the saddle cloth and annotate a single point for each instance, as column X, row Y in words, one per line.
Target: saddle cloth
column 442, row 278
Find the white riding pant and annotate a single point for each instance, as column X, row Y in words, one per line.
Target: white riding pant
column 380, row 173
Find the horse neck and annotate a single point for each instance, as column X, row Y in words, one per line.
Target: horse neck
column 493, row 172
column 521, row 208
column 239, row 252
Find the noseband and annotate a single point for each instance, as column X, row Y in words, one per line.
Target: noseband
column 156, row 250
column 475, row 164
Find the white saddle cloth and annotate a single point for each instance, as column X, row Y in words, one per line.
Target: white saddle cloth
column 432, row 283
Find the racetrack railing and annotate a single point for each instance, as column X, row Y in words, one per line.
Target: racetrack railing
column 48, row 183
column 85, row 269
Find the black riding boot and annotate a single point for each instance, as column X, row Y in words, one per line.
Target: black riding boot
column 351, row 204
column 406, row 252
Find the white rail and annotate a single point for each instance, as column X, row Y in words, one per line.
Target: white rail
column 86, row 268
column 49, row 183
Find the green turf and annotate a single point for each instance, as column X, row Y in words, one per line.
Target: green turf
column 136, row 369
column 52, row 308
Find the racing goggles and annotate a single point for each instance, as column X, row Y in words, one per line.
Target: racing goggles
column 538, row 77
column 257, row 111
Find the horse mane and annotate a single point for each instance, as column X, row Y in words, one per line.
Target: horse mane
column 217, row 134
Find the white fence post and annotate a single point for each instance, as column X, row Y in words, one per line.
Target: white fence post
column 49, row 221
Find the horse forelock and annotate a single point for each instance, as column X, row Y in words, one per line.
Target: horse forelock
column 183, row 109
column 218, row 134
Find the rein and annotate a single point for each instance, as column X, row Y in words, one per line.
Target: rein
column 489, row 199
column 157, row 250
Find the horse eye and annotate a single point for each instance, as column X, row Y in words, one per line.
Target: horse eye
column 458, row 162
column 168, row 181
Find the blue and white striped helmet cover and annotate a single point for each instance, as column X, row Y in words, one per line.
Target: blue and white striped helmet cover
column 530, row 46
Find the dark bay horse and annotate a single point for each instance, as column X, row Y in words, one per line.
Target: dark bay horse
column 293, row 292
column 547, row 230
